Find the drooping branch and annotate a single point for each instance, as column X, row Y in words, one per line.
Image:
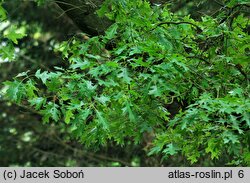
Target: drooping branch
column 178, row 23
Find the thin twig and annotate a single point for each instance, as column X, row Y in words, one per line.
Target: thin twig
column 204, row 60
column 177, row 23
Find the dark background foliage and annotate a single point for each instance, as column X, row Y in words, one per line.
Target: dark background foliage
column 24, row 139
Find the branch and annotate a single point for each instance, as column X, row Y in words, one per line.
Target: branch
column 28, row 109
column 82, row 13
column 232, row 10
column 199, row 58
column 240, row 69
column 178, row 23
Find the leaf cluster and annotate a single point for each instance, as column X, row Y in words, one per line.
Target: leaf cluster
column 153, row 72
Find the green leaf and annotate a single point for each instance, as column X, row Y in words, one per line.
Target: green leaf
column 179, row 62
column 75, row 105
column 30, row 89
column 246, row 118
column 170, row 150
column 127, row 110
column 236, row 92
column 14, row 91
column 193, row 157
column 44, row 76
column 111, row 31
column 213, row 148
column 68, row 115
column 247, row 158
column 54, row 84
column 125, row 75
column 135, row 50
column 120, row 49
column 155, row 150
column 101, row 120
column 155, row 91
column 51, row 112
column 84, row 114
column 2, row 13
column 77, row 63
column 103, row 10
column 230, row 137
column 7, row 51
column 22, row 74
column 64, row 49
column 90, row 86
column 103, row 99
column 38, row 102
column 13, row 33
column 112, row 64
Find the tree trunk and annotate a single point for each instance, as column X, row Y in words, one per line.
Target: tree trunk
column 83, row 14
